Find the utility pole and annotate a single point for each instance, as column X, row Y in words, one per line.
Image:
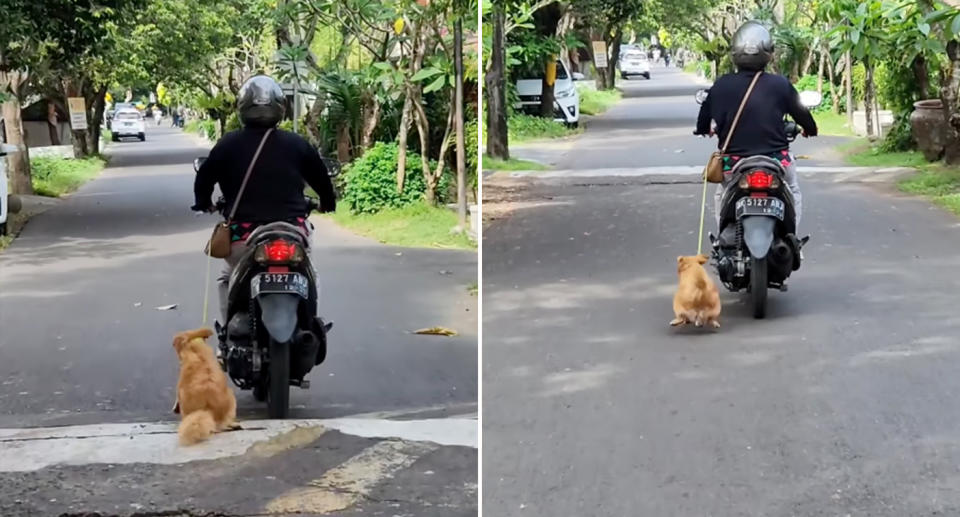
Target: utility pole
column 458, row 100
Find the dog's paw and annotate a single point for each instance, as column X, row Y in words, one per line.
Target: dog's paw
column 698, row 323
column 715, row 324
column 233, row 427
column 676, row 322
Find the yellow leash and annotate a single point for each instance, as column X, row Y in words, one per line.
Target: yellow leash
column 703, row 211
column 206, row 289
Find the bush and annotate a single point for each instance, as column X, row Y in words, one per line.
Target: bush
column 208, row 128
column 900, row 136
column 470, row 131
column 233, row 123
column 369, row 184
column 55, row 177
column 528, row 127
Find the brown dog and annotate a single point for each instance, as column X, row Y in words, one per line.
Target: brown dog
column 203, row 396
column 697, row 300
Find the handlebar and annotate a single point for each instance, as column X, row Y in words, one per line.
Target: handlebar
column 312, row 204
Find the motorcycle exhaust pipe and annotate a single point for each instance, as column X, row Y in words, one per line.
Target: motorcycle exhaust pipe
column 782, row 254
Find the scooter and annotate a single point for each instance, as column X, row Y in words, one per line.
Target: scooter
column 273, row 336
column 758, row 247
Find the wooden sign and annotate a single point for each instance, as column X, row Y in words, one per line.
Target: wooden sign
column 600, row 54
column 78, row 113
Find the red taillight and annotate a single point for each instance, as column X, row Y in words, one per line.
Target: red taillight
column 760, row 180
column 280, row 250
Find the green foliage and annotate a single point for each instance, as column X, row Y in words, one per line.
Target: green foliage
column 900, row 136
column 513, row 164
column 528, row 127
column 470, row 135
column 414, row 225
column 595, row 102
column 369, row 184
column 55, row 177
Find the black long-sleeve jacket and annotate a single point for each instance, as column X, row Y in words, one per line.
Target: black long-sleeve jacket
column 274, row 191
column 760, row 129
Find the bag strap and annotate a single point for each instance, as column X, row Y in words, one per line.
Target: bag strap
column 246, row 177
column 739, row 112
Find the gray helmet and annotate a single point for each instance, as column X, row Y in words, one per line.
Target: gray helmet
column 751, row 47
column 261, row 102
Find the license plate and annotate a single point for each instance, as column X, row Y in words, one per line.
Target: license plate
column 760, row 206
column 279, row 283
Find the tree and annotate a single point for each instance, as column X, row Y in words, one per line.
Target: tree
column 605, row 20
column 496, row 83
column 947, row 22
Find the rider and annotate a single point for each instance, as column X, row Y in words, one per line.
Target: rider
column 274, row 190
column 760, row 130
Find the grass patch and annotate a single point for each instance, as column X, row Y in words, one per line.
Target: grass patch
column 873, row 157
column 938, row 183
column 513, row 164
column 54, row 177
column 833, row 124
column 523, row 128
column 473, row 289
column 416, row 225
column 595, row 102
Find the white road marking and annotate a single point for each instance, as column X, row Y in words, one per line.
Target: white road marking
column 348, row 483
column 33, row 449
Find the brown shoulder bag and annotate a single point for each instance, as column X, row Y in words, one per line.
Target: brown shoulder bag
column 713, row 172
column 219, row 244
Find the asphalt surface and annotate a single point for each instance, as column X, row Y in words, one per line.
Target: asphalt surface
column 652, row 126
column 82, row 341
column 841, row 403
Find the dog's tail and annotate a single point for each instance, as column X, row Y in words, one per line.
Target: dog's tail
column 197, row 427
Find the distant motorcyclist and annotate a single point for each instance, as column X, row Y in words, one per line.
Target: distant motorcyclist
column 760, row 130
column 274, row 190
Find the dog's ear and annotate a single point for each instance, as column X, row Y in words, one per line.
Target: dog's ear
column 183, row 338
column 702, row 259
column 680, row 259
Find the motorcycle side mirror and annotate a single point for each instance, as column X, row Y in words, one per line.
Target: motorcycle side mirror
column 198, row 162
column 810, row 99
column 701, row 95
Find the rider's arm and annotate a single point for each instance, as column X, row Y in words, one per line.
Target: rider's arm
column 800, row 113
column 703, row 120
column 315, row 174
column 204, row 182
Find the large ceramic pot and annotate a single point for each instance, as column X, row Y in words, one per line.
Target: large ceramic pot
column 929, row 128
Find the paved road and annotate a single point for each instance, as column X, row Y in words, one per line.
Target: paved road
column 82, row 342
column 654, row 126
column 841, row 403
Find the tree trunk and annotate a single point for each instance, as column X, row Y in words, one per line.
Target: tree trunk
column 423, row 128
column 432, row 180
column 343, row 143
column 834, row 91
column 312, row 121
column 99, row 105
column 81, row 148
column 497, row 140
column 19, row 163
column 458, row 127
column 371, row 119
column 868, row 96
column 52, row 124
column 820, row 69
column 614, row 46
column 921, row 75
column 848, row 77
column 948, row 93
column 402, row 137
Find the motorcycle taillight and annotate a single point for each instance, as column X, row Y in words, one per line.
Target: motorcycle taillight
column 279, row 251
column 759, row 180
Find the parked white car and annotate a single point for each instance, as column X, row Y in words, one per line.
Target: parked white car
column 128, row 123
column 634, row 62
column 566, row 96
column 8, row 204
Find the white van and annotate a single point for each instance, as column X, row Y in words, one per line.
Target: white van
column 567, row 98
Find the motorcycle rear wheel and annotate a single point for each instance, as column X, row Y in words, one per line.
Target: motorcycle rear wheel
column 758, row 286
column 278, row 394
